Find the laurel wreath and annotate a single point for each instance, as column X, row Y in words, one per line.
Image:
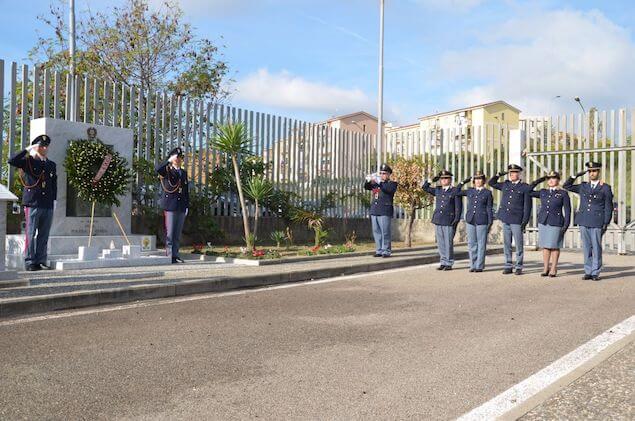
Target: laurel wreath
column 83, row 160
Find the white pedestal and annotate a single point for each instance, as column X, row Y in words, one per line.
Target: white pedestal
column 85, row 253
column 111, row 254
column 132, row 251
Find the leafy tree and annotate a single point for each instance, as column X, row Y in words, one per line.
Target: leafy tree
column 410, row 173
column 136, row 45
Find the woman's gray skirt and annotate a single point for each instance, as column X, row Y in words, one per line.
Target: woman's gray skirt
column 549, row 237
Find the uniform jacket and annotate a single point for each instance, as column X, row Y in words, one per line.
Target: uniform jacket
column 175, row 195
column 39, row 179
column 478, row 210
column 448, row 206
column 555, row 207
column 381, row 203
column 515, row 204
column 596, row 204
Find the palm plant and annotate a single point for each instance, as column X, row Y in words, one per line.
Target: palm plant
column 314, row 221
column 234, row 140
column 258, row 189
column 278, row 237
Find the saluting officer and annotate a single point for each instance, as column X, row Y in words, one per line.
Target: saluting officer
column 513, row 211
column 593, row 216
column 175, row 200
column 38, row 176
column 381, row 208
column 553, row 220
column 478, row 219
column 446, row 216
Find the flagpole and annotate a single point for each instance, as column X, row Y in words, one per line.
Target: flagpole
column 380, row 93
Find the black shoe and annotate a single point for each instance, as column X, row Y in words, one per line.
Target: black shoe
column 587, row 277
column 442, row 267
column 472, row 270
column 507, row 271
column 478, row 270
column 179, row 260
column 378, row 255
column 596, row 277
column 552, row 275
column 447, row 268
column 33, row 268
column 45, row 267
column 519, row 271
column 544, row 274
column 174, row 260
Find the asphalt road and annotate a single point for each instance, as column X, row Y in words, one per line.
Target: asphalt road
column 414, row 343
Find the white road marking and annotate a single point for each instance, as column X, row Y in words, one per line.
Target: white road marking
column 521, row 392
column 163, row 301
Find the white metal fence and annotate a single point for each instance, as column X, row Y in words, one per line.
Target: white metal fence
column 564, row 143
column 308, row 159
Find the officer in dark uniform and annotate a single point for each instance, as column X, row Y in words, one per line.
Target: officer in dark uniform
column 514, row 211
column 478, row 219
column 553, row 220
column 593, row 216
column 381, row 208
column 446, row 216
column 38, row 176
column 175, row 200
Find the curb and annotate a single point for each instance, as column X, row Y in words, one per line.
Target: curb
column 173, row 287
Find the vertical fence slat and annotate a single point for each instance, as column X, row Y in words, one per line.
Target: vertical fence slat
column 12, row 118
column 25, row 106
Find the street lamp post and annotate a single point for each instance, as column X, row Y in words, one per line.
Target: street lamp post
column 380, row 93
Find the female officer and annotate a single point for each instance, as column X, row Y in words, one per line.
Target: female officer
column 553, row 220
column 478, row 219
column 175, row 200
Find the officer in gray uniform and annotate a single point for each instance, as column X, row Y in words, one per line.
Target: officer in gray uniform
column 381, row 208
column 446, row 216
column 478, row 219
column 175, row 200
column 593, row 216
column 513, row 211
column 38, row 176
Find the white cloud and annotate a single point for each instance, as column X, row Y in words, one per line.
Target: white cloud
column 528, row 61
column 450, row 5
column 287, row 91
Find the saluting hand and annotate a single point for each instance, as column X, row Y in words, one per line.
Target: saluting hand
column 368, row 178
column 467, row 180
column 501, row 173
column 580, row 174
column 171, row 159
column 435, row 178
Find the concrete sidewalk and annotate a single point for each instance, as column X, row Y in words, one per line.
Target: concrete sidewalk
column 51, row 291
column 605, row 392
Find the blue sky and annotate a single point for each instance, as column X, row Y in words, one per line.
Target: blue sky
column 312, row 59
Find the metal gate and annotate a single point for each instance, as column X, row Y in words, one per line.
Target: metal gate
column 565, row 143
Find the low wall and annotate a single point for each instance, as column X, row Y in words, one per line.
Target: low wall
column 232, row 228
column 423, row 231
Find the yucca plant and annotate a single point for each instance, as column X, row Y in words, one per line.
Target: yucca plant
column 313, row 220
column 278, row 237
column 258, row 189
column 234, row 140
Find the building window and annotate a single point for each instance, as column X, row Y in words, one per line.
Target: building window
column 503, row 116
column 364, row 128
